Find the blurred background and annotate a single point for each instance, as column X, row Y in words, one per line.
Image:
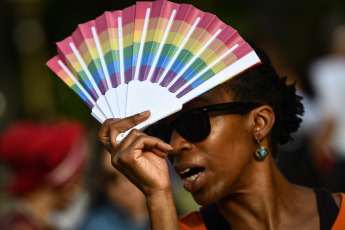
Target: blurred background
column 305, row 40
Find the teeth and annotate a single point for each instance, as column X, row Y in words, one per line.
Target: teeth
column 186, row 170
column 192, row 178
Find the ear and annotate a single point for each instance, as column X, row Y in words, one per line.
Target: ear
column 263, row 121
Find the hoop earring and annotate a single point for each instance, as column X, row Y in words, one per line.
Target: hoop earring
column 261, row 152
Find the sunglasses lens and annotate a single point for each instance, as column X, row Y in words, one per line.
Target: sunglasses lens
column 159, row 130
column 194, row 126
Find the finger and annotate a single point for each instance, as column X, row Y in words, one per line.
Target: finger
column 128, row 155
column 126, row 123
column 103, row 134
column 152, row 144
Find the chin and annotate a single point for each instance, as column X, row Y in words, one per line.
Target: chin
column 204, row 198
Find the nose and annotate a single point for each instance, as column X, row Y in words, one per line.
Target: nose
column 179, row 145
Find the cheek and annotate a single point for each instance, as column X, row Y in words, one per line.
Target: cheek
column 229, row 152
column 229, row 136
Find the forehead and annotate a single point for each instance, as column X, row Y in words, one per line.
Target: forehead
column 215, row 96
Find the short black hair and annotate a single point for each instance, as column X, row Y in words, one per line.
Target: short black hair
column 262, row 84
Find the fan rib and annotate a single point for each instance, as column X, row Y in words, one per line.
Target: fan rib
column 144, row 100
column 244, row 63
column 190, row 62
column 101, row 101
column 162, row 44
column 96, row 111
column 134, row 85
column 74, row 79
column 122, row 72
column 101, row 56
column 142, row 41
column 105, row 70
column 179, row 50
column 206, row 69
column 121, row 89
column 86, row 70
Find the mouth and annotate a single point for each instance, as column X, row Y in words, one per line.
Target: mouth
column 190, row 174
column 192, row 178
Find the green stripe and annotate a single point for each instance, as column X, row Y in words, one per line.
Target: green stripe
column 209, row 73
column 112, row 55
column 75, row 88
column 151, row 47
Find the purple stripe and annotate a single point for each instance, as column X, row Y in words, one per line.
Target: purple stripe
column 177, row 85
column 184, row 92
column 88, row 102
column 94, row 94
column 168, row 78
column 157, row 74
column 103, row 86
column 143, row 72
column 128, row 76
column 115, row 79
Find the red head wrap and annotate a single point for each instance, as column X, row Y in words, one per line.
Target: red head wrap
column 40, row 154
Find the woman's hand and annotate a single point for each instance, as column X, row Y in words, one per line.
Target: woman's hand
column 141, row 159
column 138, row 156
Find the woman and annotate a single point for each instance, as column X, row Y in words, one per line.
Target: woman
column 229, row 169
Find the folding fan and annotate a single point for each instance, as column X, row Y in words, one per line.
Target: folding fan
column 153, row 56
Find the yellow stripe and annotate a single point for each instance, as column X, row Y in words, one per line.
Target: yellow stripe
column 74, row 64
column 88, row 56
column 137, row 36
column 110, row 45
column 208, row 56
column 193, row 46
column 218, row 67
column 69, row 82
column 76, row 67
column 154, row 35
column 128, row 40
column 175, row 39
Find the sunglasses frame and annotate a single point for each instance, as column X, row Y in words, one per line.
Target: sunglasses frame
column 237, row 107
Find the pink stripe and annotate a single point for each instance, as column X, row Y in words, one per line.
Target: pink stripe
column 83, row 32
column 104, row 22
column 53, row 64
column 243, row 50
column 227, row 33
column 211, row 23
column 63, row 47
column 163, row 9
column 114, row 17
column 188, row 14
column 140, row 10
column 128, row 15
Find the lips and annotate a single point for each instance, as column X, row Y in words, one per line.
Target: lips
column 192, row 177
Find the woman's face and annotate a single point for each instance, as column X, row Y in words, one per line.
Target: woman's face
column 219, row 166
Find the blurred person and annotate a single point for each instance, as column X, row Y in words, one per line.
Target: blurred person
column 328, row 77
column 46, row 162
column 115, row 202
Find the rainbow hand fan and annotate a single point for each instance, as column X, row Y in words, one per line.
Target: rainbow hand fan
column 153, row 56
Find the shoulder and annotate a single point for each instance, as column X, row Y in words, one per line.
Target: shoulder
column 192, row 221
column 340, row 221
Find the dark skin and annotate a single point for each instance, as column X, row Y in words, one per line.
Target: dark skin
column 250, row 194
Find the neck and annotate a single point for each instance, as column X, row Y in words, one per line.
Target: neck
column 266, row 200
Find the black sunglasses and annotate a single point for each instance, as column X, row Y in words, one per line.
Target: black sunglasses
column 194, row 125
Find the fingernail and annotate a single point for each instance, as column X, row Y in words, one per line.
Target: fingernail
column 169, row 146
column 143, row 113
